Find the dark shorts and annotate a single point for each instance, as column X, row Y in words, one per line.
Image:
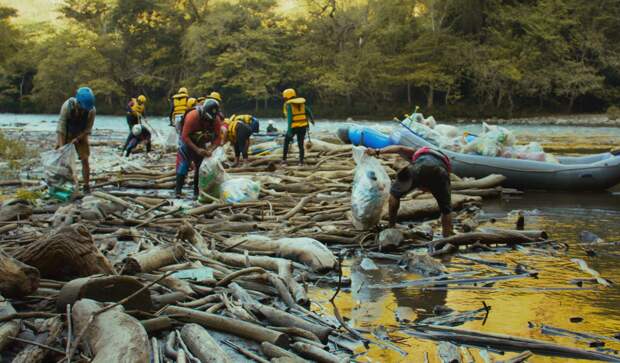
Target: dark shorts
column 428, row 173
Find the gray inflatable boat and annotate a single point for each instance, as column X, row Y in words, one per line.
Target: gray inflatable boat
column 587, row 173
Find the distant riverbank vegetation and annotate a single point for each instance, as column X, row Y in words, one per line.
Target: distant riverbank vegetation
column 358, row 58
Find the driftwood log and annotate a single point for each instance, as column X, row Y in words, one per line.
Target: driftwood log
column 487, row 238
column 232, row 326
column 15, row 209
column 105, row 289
column 281, row 318
column 421, row 208
column 113, row 336
column 52, row 328
column 315, row 353
column 511, row 343
column 18, row 279
column 67, row 253
column 202, row 345
column 153, row 259
column 188, row 233
column 274, row 352
column 10, row 328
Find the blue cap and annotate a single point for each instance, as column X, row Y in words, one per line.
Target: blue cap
column 85, row 98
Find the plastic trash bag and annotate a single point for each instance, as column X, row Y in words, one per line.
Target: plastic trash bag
column 453, row 144
column 422, row 130
column 499, row 134
column 212, row 174
column 483, row 146
column 448, row 131
column 239, row 190
column 493, row 141
column 429, row 122
column 371, row 186
column 60, row 171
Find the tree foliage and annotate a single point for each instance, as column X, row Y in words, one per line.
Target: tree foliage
column 349, row 57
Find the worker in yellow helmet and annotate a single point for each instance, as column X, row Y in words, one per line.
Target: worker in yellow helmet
column 200, row 101
column 238, row 134
column 178, row 106
column 297, row 115
column 249, row 120
column 215, row 96
column 136, row 108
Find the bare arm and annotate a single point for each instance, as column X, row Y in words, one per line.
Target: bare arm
column 61, row 128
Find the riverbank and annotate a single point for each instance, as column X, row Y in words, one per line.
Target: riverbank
column 384, row 304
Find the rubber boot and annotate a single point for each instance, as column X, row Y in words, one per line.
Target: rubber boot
column 180, row 182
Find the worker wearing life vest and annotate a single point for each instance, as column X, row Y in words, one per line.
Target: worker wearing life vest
column 191, row 105
column 248, row 120
column 429, row 170
column 238, row 133
column 178, row 106
column 202, row 126
column 297, row 115
column 77, row 117
column 136, row 108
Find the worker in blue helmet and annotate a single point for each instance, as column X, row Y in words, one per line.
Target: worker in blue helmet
column 77, row 117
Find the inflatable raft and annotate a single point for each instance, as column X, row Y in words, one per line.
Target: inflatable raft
column 586, row 173
column 360, row 135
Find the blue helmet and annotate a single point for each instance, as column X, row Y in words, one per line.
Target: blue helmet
column 85, row 98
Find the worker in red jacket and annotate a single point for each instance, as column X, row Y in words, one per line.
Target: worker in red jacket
column 200, row 133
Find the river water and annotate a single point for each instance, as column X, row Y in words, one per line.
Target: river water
column 518, row 307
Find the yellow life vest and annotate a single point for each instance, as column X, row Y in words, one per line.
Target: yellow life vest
column 136, row 108
column 247, row 119
column 298, row 110
column 232, row 129
column 179, row 102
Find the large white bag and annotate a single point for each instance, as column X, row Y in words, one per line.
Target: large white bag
column 371, row 187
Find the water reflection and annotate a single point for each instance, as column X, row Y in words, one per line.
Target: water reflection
column 515, row 303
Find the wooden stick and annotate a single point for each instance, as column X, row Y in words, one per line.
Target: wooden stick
column 246, row 352
column 232, row 326
column 246, row 271
column 59, row 351
column 69, row 333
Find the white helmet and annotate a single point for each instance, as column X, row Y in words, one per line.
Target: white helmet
column 270, row 122
column 136, row 130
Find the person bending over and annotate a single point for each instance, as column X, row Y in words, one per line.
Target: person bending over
column 238, row 134
column 139, row 134
column 201, row 126
column 429, row 171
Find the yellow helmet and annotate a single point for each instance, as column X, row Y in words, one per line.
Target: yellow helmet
column 183, row 90
column 216, row 96
column 141, row 99
column 191, row 102
column 289, row 93
column 200, row 100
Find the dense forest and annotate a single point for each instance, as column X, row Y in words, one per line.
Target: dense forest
column 372, row 58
